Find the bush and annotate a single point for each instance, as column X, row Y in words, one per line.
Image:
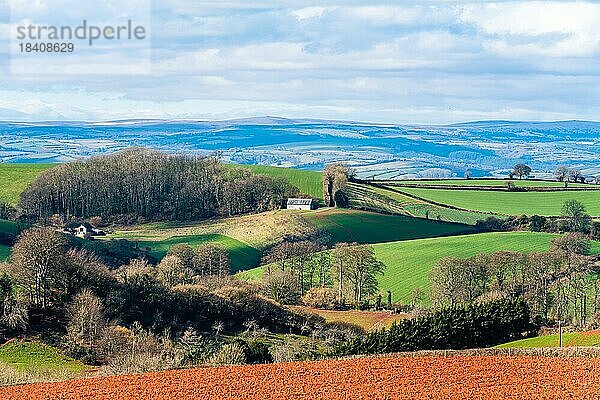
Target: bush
column 229, row 354
column 478, row 325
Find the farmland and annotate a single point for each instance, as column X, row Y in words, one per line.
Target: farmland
column 390, row 200
column 368, row 320
column 408, row 262
column 14, row 178
column 509, row 203
column 309, row 182
column 370, row 227
column 459, row 377
column 4, row 252
column 240, row 253
column 466, row 183
column 27, row 361
column 573, row 339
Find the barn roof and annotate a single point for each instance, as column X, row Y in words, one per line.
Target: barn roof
column 299, row 202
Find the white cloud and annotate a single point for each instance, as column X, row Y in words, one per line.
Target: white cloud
column 310, row 12
column 532, row 29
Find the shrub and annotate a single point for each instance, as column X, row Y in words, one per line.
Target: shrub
column 478, row 325
column 229, row 354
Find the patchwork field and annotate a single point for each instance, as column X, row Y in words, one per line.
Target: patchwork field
column 510, row 203
column 14, row 178
column 459, row 377
column 368, row 320
column 590, row 338
column 390, row 200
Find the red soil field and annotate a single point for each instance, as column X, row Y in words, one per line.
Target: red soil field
column 459, row 377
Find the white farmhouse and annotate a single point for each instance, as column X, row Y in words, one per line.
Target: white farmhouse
column 301, row 204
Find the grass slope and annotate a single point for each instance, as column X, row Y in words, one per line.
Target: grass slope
column 591, row 338
column 309, row 182
column 370, row 227
column 4, row 252
column 14, row 178
column 32, row 355
column 409, row 262
column 242, row 256
column 510, row 203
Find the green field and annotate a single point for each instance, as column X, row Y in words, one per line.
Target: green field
column 484, row 182
column 309, row 182
column 409, row 262
column 14, row 178
column 32, row 355
column 370, row 227
column 9, row 227
column 4, row 252
column 242, row 256
column 389, row 200
column 510, row 203
column 591, row 338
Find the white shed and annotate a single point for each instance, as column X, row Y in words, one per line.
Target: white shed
column 301, row 204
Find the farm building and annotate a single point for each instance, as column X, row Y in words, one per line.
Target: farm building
column 86, row 230
column 301, row 204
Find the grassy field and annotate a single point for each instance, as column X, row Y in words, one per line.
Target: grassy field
column 388, row 200
column 510, row 203
column 369, row 227
column 485, row 182
column 32, row 355
column 14, row 178
column 409, row 262
column 367, row 320
column 25, row 361
column 4, row 252
column 309, row 182
column 9, row 227
column 242, row 256
column 591, row 338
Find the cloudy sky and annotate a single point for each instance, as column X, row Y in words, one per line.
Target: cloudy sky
column 394, row 61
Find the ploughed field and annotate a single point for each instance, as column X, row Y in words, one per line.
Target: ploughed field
column 458, row 377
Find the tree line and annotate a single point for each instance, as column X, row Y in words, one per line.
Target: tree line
column 458, row 327
column 304, row 271
column 151, row 185
column 556, row 285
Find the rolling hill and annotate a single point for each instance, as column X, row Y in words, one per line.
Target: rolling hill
column 369, row 227
column 408, row 262
column 14, row 178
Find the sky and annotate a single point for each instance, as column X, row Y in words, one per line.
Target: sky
column 425, row 62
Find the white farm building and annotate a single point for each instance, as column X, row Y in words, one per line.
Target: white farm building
column 301, row 204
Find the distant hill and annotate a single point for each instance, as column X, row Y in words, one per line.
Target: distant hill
column 485, row 148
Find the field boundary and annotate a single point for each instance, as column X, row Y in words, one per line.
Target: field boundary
column 427, row 201
column 556, row 352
